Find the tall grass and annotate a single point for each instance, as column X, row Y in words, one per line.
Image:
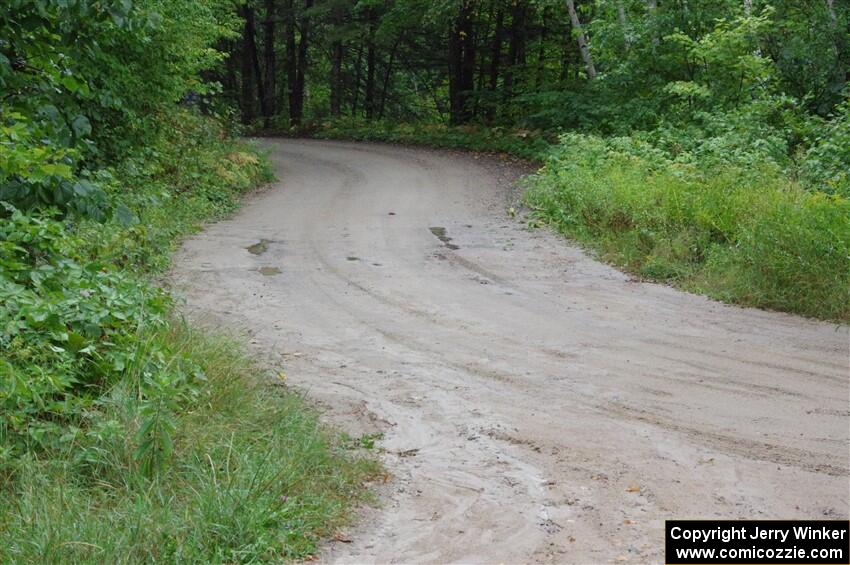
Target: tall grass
column 253, row 476
column 748, row 236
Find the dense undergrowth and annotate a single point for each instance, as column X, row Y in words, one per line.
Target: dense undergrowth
column 526, row 144
column 125, row 434
column 247, row 475
column 725, row 212
column 747, row 235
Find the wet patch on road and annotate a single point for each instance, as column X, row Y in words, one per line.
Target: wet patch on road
column 440, row 233
column 259, row 248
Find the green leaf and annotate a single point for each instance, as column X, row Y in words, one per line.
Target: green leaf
column 81, row 126
column 124, row 216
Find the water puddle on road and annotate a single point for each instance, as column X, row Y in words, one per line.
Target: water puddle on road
column 440, row 233
column 259, row 248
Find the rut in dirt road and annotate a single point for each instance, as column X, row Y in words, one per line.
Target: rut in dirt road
column 535, row 405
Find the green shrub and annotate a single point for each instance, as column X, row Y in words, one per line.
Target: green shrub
column 826, row 163
column 251, row 475
column 750, row 236
column 75, row 301
column 124, row 435
column 521, row 143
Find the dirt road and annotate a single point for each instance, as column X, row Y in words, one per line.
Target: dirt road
column 535, row 405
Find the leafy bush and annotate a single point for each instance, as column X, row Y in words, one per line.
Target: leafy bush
column 826, row 164
column 68, row 329
column 522, row 143
column 750, row 235
column 85, row 83
column 124, row 435
column 76, row 306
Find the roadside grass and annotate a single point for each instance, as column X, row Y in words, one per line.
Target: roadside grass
column 253, row 476
column 743, row 231
column 746, row 236
column 127, row 436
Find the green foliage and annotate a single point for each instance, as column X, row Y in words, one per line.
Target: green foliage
column 75, row 304
column 825, row 163
column 252, row 475
column 527, row 144
column 746, row 235
column 124, row 435
column 84, row 82
column 68, row 328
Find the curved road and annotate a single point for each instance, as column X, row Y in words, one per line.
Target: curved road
column 535, row 405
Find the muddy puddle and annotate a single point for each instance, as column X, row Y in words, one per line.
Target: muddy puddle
column 441, row 234
column 269, row 271
column 259, row 248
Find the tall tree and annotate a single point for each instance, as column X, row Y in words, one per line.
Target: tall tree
column 516, row 47
column 371, row 61
column 251, row 81
column 337, row 55
column 624, row 24
column 270, row 59
column 652, row 9
column 296, row 111
column 462, row 64
column 581, row 39
column 496, row 49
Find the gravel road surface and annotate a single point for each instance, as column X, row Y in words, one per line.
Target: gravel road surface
column 535, row 404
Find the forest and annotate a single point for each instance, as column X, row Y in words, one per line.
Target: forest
column 704, row 144
column 610, row 67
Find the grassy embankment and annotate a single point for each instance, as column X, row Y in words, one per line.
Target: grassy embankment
column 744, row 230
column 128, row 436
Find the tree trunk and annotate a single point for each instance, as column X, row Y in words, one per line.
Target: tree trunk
column 270, row 60
column 337, row 52
column 358, row 73
column 467, row 70
column 541, row 50
column 251, row 36
column 291, row 56
column 248, row 84
column 583, row 47
column 833, row 17
column 516, row 48
column 371, row 56
column 387, row 75
column 462, row 65
column 624, row 24
column 652, row 8
column 297, row 111
column 251, row 68
column 496, row 50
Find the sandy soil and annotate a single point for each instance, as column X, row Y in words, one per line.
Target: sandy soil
column 535, row 404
